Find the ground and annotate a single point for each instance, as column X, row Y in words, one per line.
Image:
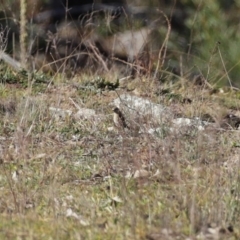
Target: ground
column 64, row 177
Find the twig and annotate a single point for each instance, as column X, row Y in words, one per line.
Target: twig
column 98, row 56
column 163, row 50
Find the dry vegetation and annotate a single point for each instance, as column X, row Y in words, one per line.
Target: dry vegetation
column 70, row 177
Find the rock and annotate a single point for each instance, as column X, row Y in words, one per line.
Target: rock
column 85, row 113
column 126, row 44
column 141, row 173
column 195, row 122
column 155, row 118
column 142, row 107
column 60, row 113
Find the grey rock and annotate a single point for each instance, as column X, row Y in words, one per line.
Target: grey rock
column 60, row 113
column 142, row 107
column 195, row 122
column 85, row 113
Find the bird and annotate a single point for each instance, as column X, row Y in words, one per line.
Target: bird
column 231, row 120
column 119, row 119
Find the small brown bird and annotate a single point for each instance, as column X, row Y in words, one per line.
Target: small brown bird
column 119, row 119
column 231, row 120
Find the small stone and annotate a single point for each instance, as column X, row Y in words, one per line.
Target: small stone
column 141, row 173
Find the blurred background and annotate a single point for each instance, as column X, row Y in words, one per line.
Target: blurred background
column 190, row 37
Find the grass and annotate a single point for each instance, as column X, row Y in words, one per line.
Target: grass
column 64, row 178
column 69, row 177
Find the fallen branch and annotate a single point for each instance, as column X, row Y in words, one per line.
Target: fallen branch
column 10, row 61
